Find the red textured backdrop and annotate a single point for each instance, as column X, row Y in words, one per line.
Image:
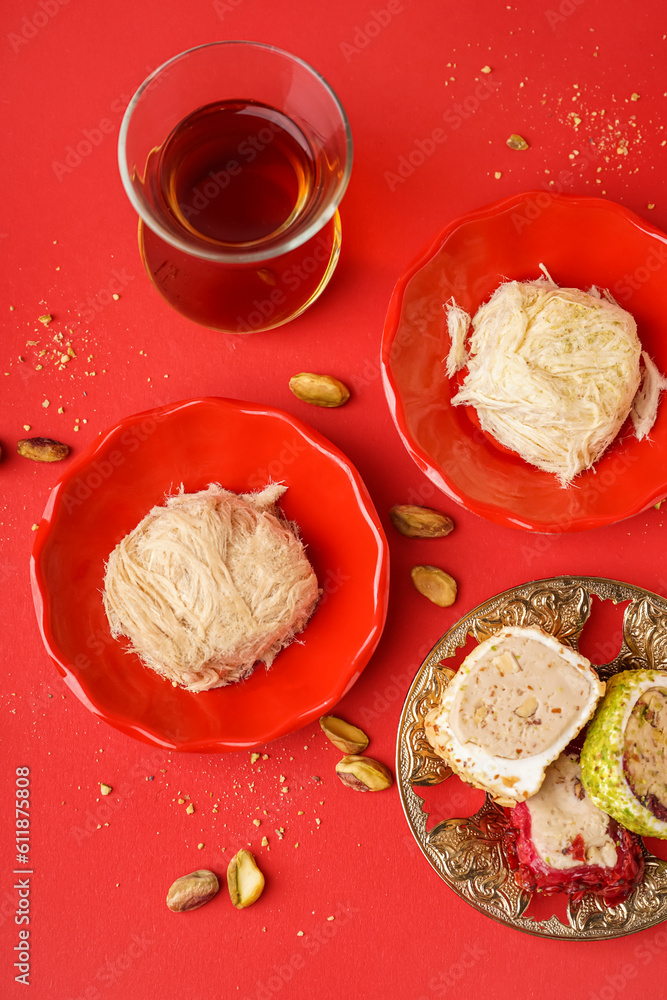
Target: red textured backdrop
column 99, row 926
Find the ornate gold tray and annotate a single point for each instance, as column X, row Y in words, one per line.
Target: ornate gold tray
column 467, row 852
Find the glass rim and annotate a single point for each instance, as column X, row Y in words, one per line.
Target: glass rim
column 241, row 254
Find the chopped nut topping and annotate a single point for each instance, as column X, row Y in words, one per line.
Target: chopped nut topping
column 480, row 713
column 527, row 708
column 506, row 663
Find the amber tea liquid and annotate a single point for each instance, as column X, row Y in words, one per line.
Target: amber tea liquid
column 237, row 175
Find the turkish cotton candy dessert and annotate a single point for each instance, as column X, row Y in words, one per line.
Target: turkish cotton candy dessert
column 209, row 584
column 553, row 373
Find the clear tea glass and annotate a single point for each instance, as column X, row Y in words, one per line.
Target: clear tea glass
column 236, row 156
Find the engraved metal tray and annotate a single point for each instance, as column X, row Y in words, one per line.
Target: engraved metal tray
column 467, row 852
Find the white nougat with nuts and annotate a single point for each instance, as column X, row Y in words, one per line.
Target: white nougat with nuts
column 513, row 705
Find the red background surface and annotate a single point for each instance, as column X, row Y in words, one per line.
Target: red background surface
column 99, row 926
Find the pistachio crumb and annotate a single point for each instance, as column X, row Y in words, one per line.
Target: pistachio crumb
column 516, row 141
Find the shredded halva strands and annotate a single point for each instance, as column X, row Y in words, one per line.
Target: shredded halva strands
column 553, row 373
column 208, row 584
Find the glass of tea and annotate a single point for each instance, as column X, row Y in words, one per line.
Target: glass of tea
column 236, row 156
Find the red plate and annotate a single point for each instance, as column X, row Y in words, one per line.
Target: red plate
column 582, row 242
column 114, row 483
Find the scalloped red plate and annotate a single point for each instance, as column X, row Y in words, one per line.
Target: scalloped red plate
column 582, row 242
column 107, row 490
